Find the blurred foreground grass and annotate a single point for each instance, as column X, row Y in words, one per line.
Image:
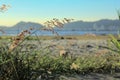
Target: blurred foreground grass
column 32, row 64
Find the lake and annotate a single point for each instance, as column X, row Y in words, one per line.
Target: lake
column 64, row 32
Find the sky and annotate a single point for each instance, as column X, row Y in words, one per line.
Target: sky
column 42, row 10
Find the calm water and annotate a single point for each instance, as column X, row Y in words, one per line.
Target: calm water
column 45, row 33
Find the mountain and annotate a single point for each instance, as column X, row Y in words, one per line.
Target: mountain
column 22, row 26
column 25, row 25
column 100, row 25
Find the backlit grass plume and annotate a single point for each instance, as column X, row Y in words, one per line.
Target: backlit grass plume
column 4, row 7
column 19, row 38
column 55, row 23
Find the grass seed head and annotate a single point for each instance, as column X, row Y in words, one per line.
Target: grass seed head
column 74, row 66
column 19, row 38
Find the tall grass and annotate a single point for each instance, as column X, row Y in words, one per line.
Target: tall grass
column 36, row 64
column 115, row 41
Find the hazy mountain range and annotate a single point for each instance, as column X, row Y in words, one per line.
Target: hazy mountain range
column 103, row 24
column 22, row 26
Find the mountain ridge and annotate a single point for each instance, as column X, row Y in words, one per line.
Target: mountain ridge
column 22, row 25
column 103, row 24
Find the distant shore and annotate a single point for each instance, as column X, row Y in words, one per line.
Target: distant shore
column 70, row 37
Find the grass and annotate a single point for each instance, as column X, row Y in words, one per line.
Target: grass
column 116, row 44
column 32, row 64
column 38, row 64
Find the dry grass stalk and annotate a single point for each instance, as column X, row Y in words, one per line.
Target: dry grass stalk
column 67, row 20
column 74, row 66
column 58, row 23
column 55, row 23
column 49, row 27
column 19, row 38
column 62, row 52
column 101, row 52
column 4, row 7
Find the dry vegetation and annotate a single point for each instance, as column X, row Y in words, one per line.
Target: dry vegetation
column 4, row 7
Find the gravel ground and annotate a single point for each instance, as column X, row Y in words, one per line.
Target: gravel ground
column 93, row 76
column 75, row 47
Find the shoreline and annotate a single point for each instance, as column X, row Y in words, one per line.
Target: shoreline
column 70, row 37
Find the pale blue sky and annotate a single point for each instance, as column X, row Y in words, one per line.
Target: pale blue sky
column 42, row 10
